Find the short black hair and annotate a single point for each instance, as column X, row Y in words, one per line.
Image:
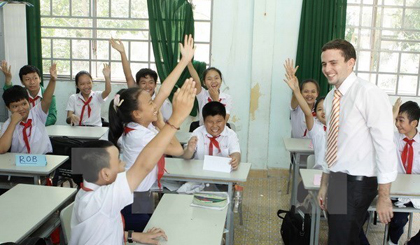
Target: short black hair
column 25, row 70
column 318, row 101
column 412, row 109
column 90, row 159
column 14, row 94
column 144, row 72
column 214, row 108
column 346, row 48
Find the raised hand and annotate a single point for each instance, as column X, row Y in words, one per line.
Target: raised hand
column 53, row 71
column 183, row 101
column 289, row 67
column 188, row 49
column 6, row 71
column 292, row 81
column 117, row 45
column 106, row 71
column 396, row 108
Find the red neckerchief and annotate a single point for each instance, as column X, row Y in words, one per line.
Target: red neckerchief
column 122, row 217
column 32, row 101
column 127, row 130
column 408, row 152
column 85, row 103
column 214, row 142
column 27, row 125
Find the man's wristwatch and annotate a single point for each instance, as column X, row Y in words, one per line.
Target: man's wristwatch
column 129, row 236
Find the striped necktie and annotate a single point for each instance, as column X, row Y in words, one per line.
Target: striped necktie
column 331, row 155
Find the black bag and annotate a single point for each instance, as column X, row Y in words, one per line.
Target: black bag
column 295, row 229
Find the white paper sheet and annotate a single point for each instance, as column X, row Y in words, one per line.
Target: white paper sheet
column 218, row 164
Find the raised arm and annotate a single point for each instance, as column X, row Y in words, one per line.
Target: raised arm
column 174, row 148
column 293, row 83
column 182, row 104
column 291, row 71
column 107, row 74
column 119, row 46
column 396, row 108
column 187, row 52
column 49, row 91
column 190, row 149
column 7, row 73
column 195, row 76
column 6, row 138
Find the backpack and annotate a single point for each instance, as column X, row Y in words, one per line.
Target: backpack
column 296, row 226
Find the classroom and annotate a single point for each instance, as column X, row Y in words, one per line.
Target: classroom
column 290, row 95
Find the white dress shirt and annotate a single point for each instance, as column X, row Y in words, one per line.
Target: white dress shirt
column 298, row 122
column 319, row 137
column 39, row 141
column 228, row 143
column 131, row 146
column 203, row 99
column 76, row 102
column 366, row 131
column 400, row 143
column 96, row 217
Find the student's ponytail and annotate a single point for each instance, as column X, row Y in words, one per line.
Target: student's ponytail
column 120, row 114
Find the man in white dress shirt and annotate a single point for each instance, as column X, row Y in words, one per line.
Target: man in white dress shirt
column 360, row 151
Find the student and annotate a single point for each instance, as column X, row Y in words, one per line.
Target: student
column 407, row 140
column 30, row 76
column 214, row 138
column 131, row 127
column 146, row 78
column 315, row 126
column 213, row 81
column 360, row 152
column 96, row 217
column 310, row 90
column 84, row 107
column 24, row 131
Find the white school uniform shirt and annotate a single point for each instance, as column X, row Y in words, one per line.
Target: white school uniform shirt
column 131, row 146
column 76, row 102
column 96, row 217
column 319, row 138
column 366, row 132
column 203, row 99
column 166, row 108
column 228, row 143
column 400, row 143
column 298, row 122
column 38, row 138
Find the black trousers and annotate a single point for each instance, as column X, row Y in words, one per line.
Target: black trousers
column 348, row 199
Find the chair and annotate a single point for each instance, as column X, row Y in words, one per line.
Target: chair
column 65, row 219
column 310, row 162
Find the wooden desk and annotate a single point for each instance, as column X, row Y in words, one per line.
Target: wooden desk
column 77, row 132
column 406, row 185
column 298, row 148
column 24, row 208
column 187, row 225
column 192, row 170
column 9, row 168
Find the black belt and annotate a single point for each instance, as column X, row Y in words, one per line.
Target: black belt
column 358, row 178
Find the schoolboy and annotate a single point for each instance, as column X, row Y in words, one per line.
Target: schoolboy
column 214, row 138
column 24, row 131
column 30, row 76
column 145, row 78
column 107, row 189
column 407, row 140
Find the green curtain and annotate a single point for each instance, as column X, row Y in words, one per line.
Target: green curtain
column 169, row 22
column 33, row 25
column 320, row 22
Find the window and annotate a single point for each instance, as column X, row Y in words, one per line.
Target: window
column 75, row 35
column 386, row 35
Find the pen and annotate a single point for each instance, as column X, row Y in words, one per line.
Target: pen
column 323, row 210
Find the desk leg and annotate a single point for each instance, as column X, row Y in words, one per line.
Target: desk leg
column 313, row 209
column 229, row 218
column 37, row 180
column 317, row 217
column 295, row 179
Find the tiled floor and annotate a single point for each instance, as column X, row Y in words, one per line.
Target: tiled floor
column 265, row 193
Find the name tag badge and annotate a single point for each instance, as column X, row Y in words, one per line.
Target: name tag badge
column 31, row 160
